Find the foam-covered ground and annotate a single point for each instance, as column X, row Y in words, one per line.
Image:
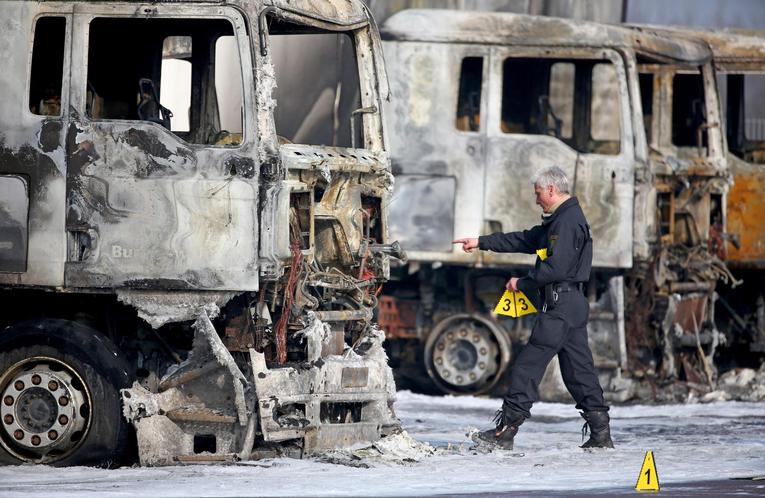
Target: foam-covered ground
column 714, row 441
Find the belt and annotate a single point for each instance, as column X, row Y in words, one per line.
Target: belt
column 568, row 286
column 552, row 290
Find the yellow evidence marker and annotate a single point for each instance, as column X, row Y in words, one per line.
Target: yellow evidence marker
column 516, row 304
column 648, row 479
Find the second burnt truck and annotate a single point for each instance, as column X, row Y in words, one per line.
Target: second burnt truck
column 480, row 101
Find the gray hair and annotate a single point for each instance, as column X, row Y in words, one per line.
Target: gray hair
column 552, row 175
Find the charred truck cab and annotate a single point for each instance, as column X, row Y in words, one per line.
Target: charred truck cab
column 739, row 62
column 690, row 188
column 185, row 244
column 483, row 100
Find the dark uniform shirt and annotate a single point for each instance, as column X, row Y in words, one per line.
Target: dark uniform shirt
column 561, row 327
column 568, row 240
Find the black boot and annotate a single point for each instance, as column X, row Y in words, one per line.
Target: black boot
column 502, row 436
column 600, row 432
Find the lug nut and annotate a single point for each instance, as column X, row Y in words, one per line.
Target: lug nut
column 483, row 351
column 482, row 365
column 53, row 385
column 63, row 419
column 18, row 434
column 52, row 435
column 19, row 385
column 476, row 338
column 36, row 440
column 36, row 379
column 439, row 361
column 472, row 376
column 8, row 400
column 459, row 379
column 8, row 419
column 446, row 374
column 463, row 333
column 63, row 401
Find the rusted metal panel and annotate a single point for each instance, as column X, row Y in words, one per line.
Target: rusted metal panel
column 746, row 214
column 398, row 318
column 691, row 312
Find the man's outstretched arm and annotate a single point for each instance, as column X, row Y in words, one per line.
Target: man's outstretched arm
column 526, row 242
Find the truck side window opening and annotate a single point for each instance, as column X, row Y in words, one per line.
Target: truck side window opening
column 47, row 66
column 200, row 59
column 689, row 114
column 605, row 136
column 743, row 100
column 228, row 88
column 561, row 98
column 317, row 85
column 469, row 94
column 575, row 100
column 175, row 84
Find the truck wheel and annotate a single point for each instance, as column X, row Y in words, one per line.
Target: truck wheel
column 59, row 395
column 466, row 354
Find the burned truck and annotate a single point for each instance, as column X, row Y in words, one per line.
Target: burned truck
column 480, row 101
column 739, row 62
column 190, row 254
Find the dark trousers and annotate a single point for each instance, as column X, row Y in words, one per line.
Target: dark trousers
column 561, row 331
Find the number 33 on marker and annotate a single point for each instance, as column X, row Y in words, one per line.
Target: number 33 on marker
column 514, row 304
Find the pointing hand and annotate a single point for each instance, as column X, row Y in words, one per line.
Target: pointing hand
column 467, row 244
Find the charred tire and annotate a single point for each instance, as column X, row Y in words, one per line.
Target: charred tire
column 61, row 405
column 466, row 354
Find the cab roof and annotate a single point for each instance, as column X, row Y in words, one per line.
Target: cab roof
column 731, row 48
column 344, row 13
column 500, row 28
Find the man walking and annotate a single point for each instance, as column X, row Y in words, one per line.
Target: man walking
column 561, row 326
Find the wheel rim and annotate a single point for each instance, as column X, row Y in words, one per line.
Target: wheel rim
column 466, row 354
column 45, row 410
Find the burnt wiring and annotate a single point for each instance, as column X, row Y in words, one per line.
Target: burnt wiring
column 698, row 262
column 289, row 296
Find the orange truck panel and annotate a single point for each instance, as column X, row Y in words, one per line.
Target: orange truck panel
column 746, row 219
